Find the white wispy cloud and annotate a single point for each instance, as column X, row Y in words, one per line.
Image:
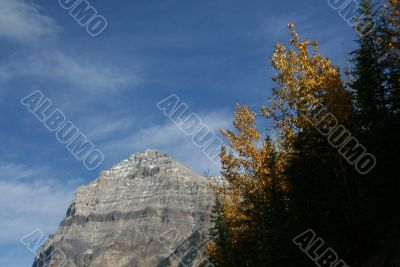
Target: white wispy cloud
column 81, row 73
column 14, row 171
column 87, row 73
column 30, row 198
column 104, row 126
column 24, row 22
column 168, row 138
column 25, row 207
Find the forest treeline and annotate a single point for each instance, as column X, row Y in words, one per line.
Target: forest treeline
column 306, row 172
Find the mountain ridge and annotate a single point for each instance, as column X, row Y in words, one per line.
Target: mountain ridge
column 118, row 219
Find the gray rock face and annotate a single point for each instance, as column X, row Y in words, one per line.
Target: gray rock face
column 146, row 211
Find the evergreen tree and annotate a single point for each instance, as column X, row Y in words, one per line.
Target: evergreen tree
column 379, row 189
column 279, row 187
column 370, row 97
column 219, row 251
column 389, row 40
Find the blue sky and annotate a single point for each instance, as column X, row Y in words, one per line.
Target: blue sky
column 211, row 53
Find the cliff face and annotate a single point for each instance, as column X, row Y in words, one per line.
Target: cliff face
column 146, row 211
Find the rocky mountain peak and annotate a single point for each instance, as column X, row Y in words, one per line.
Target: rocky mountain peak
column 118, row 219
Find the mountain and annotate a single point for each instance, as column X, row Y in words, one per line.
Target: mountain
column 146, row 211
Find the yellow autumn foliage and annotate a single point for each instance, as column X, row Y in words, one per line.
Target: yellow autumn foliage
column 305, row 82
column 249, row 170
